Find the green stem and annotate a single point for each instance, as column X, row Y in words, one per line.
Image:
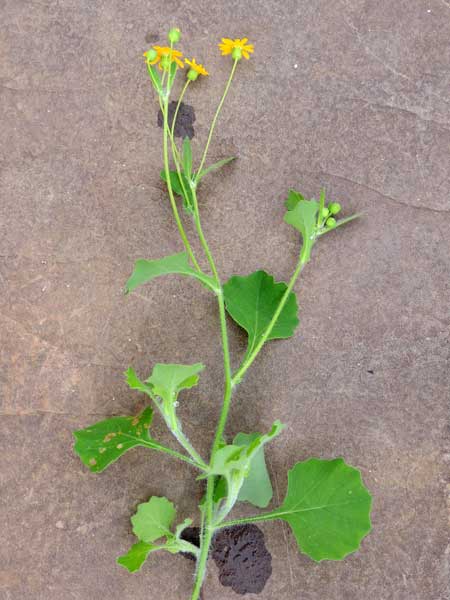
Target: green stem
column 206, row 537
column 255, row 519
column 183, row 91
column 155, row 446
column 202, row 238
column 169, row 187
column 237, row 377
column 183, row 440
column 213, row 124
column 207, row 526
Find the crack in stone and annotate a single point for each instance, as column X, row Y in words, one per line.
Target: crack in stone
column 399, row 109
column 381, row 194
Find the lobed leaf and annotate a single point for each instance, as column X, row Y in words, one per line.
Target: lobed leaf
column 327, row 507
column 101, row 444
column 153, row 519
column 166, row 381
column 252, row 301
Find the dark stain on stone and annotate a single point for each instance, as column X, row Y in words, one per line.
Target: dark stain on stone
column 243, row 560
column 151, row 38
column 184, row 125
column 192, row 535
column 241, row 555
column 371, row 371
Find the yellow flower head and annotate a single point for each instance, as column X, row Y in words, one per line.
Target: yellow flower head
column 200, row 69
column 227, row 46
column 163, row 52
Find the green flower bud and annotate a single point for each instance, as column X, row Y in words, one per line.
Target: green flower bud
column 236, row 53
column 325, row 212
column 174, row 35
column 192, row 75
column 334, row 208
column 331, row 222
column 151, row 54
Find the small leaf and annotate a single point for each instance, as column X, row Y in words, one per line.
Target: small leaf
column 136, row 556
column 153, row 519
column 187, row 158
column 327, row 507
column 172, row 72
column 234, row 463
column 218, row 165
column 304, row 218
column 168, row 380
column 252, row 301
column 154, row 76
column 177, row 187
column 293, row 199
column 136, row 384
column 256, row 488
column 146, row 270
column 101, row 444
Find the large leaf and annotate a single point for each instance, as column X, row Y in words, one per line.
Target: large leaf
column 101, row 444
column 181, row 187
column 303, row 216
column 256, row 488
column 146, row 270
column 252, row 301
column 153, row 519
column 327, row 507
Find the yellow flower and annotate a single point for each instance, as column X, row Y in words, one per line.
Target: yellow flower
column 163, row 52
column 227, row 46
column 200, row 69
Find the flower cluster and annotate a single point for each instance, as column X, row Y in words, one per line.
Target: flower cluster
column 164, row 56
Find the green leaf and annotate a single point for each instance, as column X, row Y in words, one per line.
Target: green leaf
column 172, row 72
column 152, row 522
column 166, row 381
column 187, row 158
column 327, row 507
column 101, row 444
column 293, row 199
column 303, row 216
column 146, row 270
column 256, row 488
column 177, row 187
column 153, row 519
column 233, row 463
column 218, row 165
column 154, row 76
column 136, row 384
column 136, row 556
column 252, row 301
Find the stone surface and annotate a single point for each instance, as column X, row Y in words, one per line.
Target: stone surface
column 351, row 95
